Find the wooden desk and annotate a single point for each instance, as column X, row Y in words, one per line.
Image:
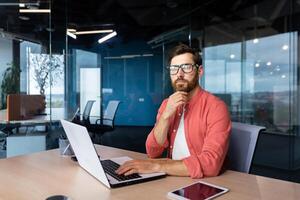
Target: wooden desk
column 39, row 120
column 40, row 175
column 56, row 115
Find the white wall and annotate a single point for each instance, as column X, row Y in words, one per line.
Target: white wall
column 90, row 89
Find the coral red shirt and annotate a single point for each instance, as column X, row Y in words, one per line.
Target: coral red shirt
column 207, row 128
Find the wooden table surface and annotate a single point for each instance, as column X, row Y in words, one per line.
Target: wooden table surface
column 40, row 175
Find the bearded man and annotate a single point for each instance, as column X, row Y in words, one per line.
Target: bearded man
column 192, row 125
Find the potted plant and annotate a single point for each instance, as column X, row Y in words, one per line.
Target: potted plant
column 44, row 66
column 10, row 82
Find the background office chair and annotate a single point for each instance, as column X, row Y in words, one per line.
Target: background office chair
column 87, row 111
column 76, row 117
column 106, row 123
column 85, row 115
column 242, row 145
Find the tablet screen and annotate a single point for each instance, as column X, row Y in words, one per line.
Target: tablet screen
column 198, row 191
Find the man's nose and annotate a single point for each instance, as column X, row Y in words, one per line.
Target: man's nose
column 180, row 73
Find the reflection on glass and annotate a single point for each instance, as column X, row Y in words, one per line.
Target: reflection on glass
column 36, row 69
column 89, row 79
column 24, row 38
column 257, row 87
column 136, row 81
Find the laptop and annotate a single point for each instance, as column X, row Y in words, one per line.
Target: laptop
column 103, row 170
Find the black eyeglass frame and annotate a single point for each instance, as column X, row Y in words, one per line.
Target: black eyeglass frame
column 181, row 66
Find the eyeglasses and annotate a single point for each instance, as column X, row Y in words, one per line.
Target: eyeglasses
column 186, row 68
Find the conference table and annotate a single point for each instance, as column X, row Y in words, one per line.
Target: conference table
column 40, row 175
column 51, row 115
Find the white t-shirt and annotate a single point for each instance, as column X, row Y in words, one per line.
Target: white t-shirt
column 180, row 148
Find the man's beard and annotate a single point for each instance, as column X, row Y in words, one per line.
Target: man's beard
column 184, row 85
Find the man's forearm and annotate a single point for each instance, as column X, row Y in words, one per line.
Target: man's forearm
column 176, row 100
column 173, row 167
column 161, row 130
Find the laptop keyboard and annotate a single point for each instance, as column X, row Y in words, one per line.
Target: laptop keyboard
column 110, row 167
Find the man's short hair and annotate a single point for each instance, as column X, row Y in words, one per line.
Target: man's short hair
column 182, row 49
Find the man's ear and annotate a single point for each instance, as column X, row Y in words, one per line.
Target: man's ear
column 200, row 71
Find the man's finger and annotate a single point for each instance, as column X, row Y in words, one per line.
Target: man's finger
column 126, row 166
column 132, row 171
column 180, row 98
column 181, row 92
column 123, row 170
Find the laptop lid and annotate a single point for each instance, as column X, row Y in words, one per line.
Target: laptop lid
column 87, row 157
column 84, row 150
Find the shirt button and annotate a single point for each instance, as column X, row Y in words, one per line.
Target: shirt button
column 174, row 130
column 171, row 147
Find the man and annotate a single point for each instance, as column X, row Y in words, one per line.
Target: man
column 192, row 124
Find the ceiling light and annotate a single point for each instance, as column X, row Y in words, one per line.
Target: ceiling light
column 17, row 4
column 147, row 54
column 232, row 56
column 171, row 4
column 93, row 32
column 283, row 76
column 255, row 40
column 22, row 5
column 50, row 29
column 71, row 35
column 257, row 64
column 25, row 18
column 130, row 56
column 72, row 30
column 285, row 47
column 107, row 37
column 269, row 63
column 35, row 11
column 113, row 57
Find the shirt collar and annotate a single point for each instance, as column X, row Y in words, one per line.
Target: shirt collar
column 195, row 97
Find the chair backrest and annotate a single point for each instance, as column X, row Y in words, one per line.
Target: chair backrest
column 87, row 111
column 76, row 117
column 110, row 112
column 242, row 145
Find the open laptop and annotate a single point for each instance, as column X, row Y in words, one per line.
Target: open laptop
column 103, row 170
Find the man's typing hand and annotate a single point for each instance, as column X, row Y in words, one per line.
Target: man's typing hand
column 168, row 166
column 139, row 166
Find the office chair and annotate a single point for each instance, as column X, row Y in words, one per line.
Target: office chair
column 85, row 115
column 242, row 145
column 106, row 123
column 87, row 111
column 76, row 117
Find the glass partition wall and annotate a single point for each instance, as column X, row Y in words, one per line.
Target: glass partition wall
column 32, row 68
column 249, row 50
column 250, row 58
column 25, row 45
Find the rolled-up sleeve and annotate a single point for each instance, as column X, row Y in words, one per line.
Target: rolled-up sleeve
column 210, row 160
column 154, row 149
